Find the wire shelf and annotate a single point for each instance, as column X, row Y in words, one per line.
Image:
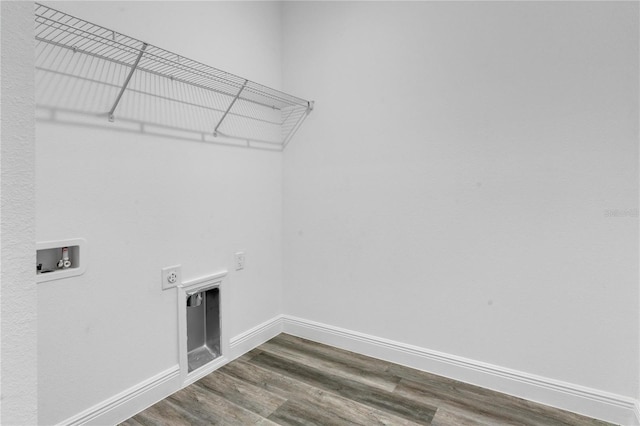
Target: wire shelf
column 86, row 68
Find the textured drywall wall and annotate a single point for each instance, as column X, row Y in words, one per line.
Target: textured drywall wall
column 468, row 180
column 17, row 210
column 144, row 202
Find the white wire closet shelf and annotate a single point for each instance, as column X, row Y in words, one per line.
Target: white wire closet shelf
column 88, row 69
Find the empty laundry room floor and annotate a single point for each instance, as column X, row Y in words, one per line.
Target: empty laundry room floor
column 294, row 381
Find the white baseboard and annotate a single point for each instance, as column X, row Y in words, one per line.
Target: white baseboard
column 133, row 400
column 590, row 402
column 256, row 336
column 567, row 396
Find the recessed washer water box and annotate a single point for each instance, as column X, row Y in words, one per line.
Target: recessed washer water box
column 202, row 347
column 60, row 259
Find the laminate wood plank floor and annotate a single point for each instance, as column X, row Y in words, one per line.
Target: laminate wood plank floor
column 293, row 381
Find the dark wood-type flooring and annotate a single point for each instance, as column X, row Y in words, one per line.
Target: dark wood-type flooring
column 293, row 381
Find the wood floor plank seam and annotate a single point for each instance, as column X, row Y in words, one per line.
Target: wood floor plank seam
column 210, row 409
column 299, row 353
column 310, row 394
column 245, row 394
column 382, row 400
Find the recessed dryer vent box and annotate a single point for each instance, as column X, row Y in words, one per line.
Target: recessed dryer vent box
column 54, row 263
column 203, row 346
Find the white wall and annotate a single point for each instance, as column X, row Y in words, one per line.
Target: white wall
column 18, row 330
column 451, row 188
column 144, row 202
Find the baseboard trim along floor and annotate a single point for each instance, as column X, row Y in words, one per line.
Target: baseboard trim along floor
column 127, row 403
column 121, row 406
column 567, row 396
column 254, row 337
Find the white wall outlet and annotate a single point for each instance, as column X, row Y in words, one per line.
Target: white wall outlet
column 239, row 260
column 171, row 276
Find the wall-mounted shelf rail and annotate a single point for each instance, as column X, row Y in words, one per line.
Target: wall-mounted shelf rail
column 86, row 68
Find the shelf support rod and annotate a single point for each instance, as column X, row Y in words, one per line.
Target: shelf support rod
column 126, row 82
column 215, row 131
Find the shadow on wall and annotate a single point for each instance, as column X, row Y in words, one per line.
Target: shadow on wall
column 99, row 121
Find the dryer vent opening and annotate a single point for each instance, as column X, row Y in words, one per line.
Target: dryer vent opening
column 203, row 327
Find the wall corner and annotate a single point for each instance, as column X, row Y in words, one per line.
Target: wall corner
column 18, row 328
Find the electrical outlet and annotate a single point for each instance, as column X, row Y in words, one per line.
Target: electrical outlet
column 171, row 276
column 240, row 260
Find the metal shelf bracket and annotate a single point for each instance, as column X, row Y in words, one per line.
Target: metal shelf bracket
column 215, row 131
column 126, row 82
